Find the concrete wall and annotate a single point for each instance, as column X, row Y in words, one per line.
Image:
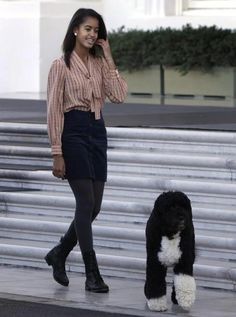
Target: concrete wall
column 31, row 34
column 19, row 49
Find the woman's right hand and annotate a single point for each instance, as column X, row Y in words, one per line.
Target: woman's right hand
column 58, row 166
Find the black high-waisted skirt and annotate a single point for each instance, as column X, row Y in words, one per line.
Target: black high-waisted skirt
column 84, row 146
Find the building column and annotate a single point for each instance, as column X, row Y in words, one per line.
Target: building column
column 31, row 35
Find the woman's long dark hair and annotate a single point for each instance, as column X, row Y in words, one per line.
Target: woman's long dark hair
column 70, row 40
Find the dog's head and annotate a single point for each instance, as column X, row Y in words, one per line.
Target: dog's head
column 174, row 212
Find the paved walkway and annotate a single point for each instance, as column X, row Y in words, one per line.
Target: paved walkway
column 15, row 308
column 179, row 115
column 125, row 296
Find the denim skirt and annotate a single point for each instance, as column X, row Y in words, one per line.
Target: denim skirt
column 84, row 146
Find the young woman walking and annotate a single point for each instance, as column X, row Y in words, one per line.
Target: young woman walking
column 78, row 84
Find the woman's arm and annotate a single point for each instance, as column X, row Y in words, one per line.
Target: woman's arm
column 55, row 111
column 115, row 86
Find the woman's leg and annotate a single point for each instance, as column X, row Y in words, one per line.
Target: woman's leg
column 69, row 240
column 90, row 191
column 88, row 195
column 56, row 257
column 98, row 188
column 85, row 202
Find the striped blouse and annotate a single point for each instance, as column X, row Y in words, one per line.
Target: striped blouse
column 81, row 88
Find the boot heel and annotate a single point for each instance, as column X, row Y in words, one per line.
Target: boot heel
column 55, row 259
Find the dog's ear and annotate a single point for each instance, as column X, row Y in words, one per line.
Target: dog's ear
column 160, row 203
column 187, row 204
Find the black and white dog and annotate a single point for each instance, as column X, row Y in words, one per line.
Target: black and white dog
column 170, row 241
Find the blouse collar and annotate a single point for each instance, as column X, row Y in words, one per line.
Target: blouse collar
column 79, row 63
column 92, row 90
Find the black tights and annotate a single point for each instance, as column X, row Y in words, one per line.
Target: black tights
column 88, row 196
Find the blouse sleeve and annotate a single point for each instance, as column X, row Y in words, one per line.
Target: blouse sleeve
column 55, row 113
column 115, row 86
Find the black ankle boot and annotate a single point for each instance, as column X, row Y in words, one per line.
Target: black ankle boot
column 94, row 282
column 57, row 258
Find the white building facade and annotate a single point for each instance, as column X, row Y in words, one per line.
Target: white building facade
column 32, row 31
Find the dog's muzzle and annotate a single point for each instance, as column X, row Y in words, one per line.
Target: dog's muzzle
column 181, row 225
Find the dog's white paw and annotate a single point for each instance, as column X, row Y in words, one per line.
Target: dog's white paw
column 157, row 304
column 185, row 289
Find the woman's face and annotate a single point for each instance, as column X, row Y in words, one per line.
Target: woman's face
column 87, row 32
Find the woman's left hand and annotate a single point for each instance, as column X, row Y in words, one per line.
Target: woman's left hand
column 105, row 46
column 107, row 52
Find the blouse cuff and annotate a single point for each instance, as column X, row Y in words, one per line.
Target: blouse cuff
column 56, row 149
column 114, row 73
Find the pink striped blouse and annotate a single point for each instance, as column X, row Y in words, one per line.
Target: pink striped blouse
column 80, row 88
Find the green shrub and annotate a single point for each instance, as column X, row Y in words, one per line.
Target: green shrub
column 187, row 48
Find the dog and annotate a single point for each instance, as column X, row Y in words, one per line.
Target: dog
column 170, row 241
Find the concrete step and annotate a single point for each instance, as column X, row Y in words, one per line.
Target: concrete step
column 212, row 208
column 211, row 200
column 119, row 264
column 108, row 219
column 150, row 182
column 114, row 235
column 134, row 138
column 154, row 146
column 132, row 133
column 66, row 202
column 203, row 226
column 205, row 219
column 183, row 167
column 24, row 140
column 127, row 155
column 123, row 193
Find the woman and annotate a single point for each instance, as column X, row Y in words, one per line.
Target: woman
column 78, row 84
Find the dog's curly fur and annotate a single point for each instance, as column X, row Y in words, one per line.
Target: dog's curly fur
column 170, row 241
